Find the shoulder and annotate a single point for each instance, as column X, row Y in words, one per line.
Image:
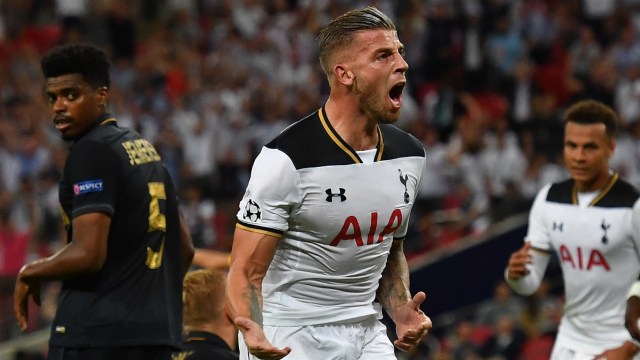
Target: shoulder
column 103, row 136
column 90, row 149
column 559, row 192
column 107, row 132
column 302, row 140
column 309, row 143
column 621, row 194
column 399, row 143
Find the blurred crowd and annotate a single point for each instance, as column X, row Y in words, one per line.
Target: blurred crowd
column 211, row 81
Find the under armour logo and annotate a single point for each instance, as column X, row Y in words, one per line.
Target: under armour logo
column 340, row 194
column 403, row 180
column 605, row 227
column 557, row 226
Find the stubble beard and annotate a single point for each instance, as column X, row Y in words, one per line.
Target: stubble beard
column 373, row 105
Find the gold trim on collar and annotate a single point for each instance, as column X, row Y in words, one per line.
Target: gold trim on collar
column 336, row 139
column 612, row 180
column 109, row 120
column 380, row 144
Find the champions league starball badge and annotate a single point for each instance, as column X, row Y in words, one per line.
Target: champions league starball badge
column 252, row 211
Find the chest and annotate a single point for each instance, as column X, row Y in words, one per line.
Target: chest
column 591, row 238
column 360, row 202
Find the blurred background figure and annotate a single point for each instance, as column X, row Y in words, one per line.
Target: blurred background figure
column 209, row 331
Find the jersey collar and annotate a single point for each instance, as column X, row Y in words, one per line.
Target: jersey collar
column 602, row 194
column 333, row 134
column 106, row 118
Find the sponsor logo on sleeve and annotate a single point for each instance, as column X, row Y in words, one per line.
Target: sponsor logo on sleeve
column 88, row 186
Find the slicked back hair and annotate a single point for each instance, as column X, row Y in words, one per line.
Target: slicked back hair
column 341, row 31
column 593, row 112
column 85, row 59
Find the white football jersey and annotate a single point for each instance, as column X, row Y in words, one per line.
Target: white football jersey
column 336, row 216
column 597, row 248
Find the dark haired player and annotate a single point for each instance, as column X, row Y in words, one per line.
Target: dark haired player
column 592, row 223
column 127, row 246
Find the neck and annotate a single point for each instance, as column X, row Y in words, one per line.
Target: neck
column 597, row 184
column 353, row 126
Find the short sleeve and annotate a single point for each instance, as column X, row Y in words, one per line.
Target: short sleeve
column 92, row 173
column 537, row 232
column 271, row 194
column 636, row 224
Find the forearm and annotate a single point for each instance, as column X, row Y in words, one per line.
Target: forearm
column 187, row 245
column 251, row 256
column 69, row 262
column 244, row 295
column 393, row 290
column 529, row 283
column 630, row 348
column 85, row 254
column 210, row 259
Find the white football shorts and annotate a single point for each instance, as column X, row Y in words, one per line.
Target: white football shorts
column 363, row 340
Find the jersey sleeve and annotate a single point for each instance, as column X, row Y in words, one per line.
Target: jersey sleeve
column 93, row 177
column 538, row 232
column 270, row 195
column 528, row 284
column 636, row 226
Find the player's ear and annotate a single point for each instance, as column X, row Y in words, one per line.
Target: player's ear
column 343, row 74
column 102, row 95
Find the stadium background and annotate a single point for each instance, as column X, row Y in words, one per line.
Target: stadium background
column 210, row 81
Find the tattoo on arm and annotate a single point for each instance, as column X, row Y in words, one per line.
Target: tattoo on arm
column 255, row 304
column 393, row 290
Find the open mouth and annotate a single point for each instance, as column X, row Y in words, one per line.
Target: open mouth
column 396, row 94
column 61, row 122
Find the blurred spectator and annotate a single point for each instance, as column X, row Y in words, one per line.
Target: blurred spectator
column 503, row 303
column 542, row 312
column 505, row 342
column 503, row 165
column 627, row 95
column 520, row 91
column 583, row 52
column 505, row 48
column 209, row 331
column 199, row 212
column 461, row 344
column 626, row 158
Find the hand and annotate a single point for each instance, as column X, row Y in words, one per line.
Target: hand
column 632, row 317
column 624, row 352
column 411, row 323
column 21, row 300
column 518, row 262
column 257, row 343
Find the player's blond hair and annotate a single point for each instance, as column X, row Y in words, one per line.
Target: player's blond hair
column 203, row 295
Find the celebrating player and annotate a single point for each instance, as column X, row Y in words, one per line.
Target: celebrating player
column 321, row 225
